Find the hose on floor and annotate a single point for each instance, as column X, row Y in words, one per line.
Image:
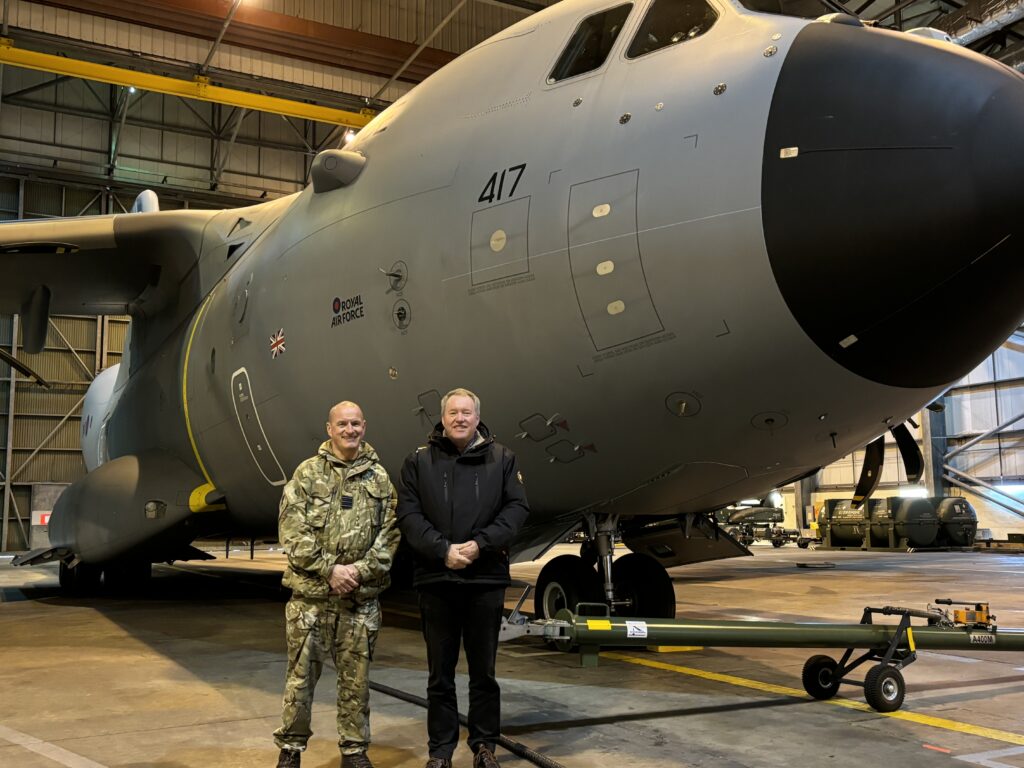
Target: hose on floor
column 517, row 749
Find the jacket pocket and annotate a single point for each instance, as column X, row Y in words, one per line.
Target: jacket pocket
column 317, row 510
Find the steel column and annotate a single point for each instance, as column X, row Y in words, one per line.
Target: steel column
column 934, row 445
column 9, row 447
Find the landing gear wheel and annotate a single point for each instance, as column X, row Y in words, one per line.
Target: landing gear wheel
column 83, row 579
column 646, row 584
column 127, row 577
column 588, row 554
column 565, row 582
column 884, row 688
column 819, row 677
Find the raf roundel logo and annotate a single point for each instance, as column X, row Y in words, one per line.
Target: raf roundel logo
column 346, row 310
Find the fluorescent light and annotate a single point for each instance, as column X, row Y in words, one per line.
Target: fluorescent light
column 349, row 135
column 913, row 492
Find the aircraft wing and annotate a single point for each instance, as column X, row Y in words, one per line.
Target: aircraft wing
column 97, row 264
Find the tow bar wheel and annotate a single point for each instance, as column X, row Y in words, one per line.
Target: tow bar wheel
column 884, row 688
column 819, row 677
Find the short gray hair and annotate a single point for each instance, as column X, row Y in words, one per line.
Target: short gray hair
column 460, row 392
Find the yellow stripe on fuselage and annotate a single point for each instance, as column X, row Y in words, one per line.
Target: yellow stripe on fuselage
column 184, row 390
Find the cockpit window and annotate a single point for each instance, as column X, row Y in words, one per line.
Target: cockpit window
column 669, row 22
column 590, row 43
column 804, row 9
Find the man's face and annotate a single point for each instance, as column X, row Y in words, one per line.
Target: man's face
column 460, row 419
column 346, row 429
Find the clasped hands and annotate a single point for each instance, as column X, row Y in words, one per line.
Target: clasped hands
column 461, row 555
column 343, row 579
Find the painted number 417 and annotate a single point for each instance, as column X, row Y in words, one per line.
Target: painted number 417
column 495, row 188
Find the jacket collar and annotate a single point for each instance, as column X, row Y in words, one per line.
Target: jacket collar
column 479, row 443
column 364, row 458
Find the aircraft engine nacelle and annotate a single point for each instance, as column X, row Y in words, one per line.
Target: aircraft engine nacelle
column 127, row 504
column 95, row 409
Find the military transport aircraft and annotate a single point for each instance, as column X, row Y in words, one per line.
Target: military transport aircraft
column 685, row 250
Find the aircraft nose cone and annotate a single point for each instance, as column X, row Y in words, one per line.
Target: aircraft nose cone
column 891, row 201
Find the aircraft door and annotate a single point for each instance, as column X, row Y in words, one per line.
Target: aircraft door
column 252, row 429
column 604, row 255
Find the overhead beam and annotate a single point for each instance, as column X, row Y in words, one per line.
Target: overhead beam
column 271, row 32
column 199, row 89
column 980, row 18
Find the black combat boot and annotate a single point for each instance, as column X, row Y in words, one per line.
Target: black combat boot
column 289, row 758
column 358, row 760
column 484, row 758
column 438, row 762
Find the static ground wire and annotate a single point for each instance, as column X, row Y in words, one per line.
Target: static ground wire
column 517, row 749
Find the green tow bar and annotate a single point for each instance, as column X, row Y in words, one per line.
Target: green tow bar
column 892, row 646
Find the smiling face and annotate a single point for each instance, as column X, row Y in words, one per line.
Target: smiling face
column 460, row 420
column 345, row 428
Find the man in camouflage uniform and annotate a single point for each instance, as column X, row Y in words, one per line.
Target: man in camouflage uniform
column 337, row 525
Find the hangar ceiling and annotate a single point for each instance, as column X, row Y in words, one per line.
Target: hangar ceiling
column 353, row 56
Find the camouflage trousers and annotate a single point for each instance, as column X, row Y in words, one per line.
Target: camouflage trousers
column 336, row 631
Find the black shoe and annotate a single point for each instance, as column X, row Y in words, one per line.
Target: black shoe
column 289, row 758
column 484, row 758
column 358, row 760
column 438, row 762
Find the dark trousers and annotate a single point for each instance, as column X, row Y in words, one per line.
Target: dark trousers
column 469, row 615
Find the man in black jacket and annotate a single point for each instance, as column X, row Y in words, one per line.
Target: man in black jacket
column 460, row 504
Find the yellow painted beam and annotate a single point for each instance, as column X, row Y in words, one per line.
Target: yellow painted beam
column 199, row 88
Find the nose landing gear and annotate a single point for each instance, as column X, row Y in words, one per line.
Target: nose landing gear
column 631, row 585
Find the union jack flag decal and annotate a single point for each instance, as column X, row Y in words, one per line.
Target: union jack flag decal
column 277, row 344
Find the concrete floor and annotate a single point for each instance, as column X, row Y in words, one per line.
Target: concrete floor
column 191, row 674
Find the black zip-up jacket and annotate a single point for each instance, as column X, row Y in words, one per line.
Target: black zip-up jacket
column 447, row 498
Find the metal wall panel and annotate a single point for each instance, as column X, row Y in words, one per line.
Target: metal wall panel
column 80, row 332
column 49, row 467
column 9, row 202
column 30, row 432
column 59, row 366
column 1009, row 358
column 155, row 42
column 38, row 401
column 408, row 20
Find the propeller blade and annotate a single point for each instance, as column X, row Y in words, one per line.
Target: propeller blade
column 15, row 363
column 871, row 472
column 910, row 451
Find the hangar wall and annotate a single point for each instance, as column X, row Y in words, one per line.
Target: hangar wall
column 989, row 396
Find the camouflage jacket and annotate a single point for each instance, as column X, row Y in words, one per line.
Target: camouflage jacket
column 326, row 520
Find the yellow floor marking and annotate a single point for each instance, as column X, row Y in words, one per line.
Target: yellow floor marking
column 674, row 648
column 911, row 717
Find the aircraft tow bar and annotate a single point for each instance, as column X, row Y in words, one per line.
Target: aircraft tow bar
column 892, row 646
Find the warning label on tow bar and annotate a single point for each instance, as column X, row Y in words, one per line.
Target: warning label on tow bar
column 636, row 629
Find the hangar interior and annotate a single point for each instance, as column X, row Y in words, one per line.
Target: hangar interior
column 74, row 145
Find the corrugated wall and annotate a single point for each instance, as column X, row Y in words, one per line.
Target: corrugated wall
column 174, row 47
column 408, row 20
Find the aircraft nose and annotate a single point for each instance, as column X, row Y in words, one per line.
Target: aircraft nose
column 891, row 201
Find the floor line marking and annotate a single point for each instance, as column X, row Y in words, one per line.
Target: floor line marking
column 46, row 749
column 784, row 690
column 990, row 759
